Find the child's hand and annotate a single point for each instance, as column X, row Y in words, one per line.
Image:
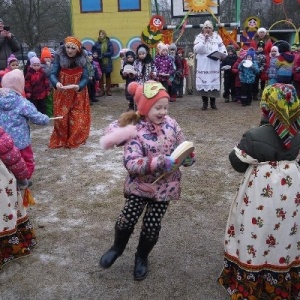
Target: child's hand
column 170, row 164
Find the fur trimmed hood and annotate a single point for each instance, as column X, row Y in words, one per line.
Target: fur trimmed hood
column 70, row 62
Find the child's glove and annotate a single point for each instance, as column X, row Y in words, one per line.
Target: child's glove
column 170, row 163
column 189, row 160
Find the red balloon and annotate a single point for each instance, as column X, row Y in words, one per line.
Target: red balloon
column 279, row 1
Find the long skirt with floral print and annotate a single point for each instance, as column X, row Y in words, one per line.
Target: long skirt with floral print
column 262, row 238
column 17, row 236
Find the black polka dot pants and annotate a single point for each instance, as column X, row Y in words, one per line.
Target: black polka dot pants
column 134, row 207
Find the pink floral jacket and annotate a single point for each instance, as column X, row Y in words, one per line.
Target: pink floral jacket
column 144, row 159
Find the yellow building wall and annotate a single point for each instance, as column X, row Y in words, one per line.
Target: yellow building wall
column 124, row 28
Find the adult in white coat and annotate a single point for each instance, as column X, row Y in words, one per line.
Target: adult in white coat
column 208, row 73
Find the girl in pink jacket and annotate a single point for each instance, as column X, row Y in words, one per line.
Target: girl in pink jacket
column 149, row 137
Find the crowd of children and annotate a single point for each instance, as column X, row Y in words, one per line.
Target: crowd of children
column 168, row 66
column 245, row 81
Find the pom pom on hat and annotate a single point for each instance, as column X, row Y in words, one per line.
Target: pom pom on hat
column 31, row 54
column 161, row 46
column 11, row 58
column 146, row 95
column 34, row 60
column 45, row 53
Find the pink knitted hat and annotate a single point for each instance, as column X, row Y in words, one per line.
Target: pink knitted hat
column 146, row 95
column 34, row 60
column 11, row 58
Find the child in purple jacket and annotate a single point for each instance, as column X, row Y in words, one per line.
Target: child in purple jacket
column 149, row 137
column 164, row 65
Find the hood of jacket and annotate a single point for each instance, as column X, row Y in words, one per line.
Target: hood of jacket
column 9, row 99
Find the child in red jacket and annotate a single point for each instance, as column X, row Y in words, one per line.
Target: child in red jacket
column 235, row 71
column 37, row 85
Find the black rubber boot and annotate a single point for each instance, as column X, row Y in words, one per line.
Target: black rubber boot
column 213, row 103
column 205, row 103
column 120, row 242
column 141, row 258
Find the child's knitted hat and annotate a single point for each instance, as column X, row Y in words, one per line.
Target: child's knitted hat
column 45, row 53
column 230, row 48
column 11, row 58
column 142, row 49
column 14, row 80
column 161, row 46
column 173, row 47
column 31, row 54
column 251, row 52
column 146, row 95
column 130, row 53
column 34, row 60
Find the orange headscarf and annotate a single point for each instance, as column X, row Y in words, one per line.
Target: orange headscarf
column 74, row 41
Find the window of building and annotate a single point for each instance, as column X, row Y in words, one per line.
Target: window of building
column 129, row 5
column 87, row 6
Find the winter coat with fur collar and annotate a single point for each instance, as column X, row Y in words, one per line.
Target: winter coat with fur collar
column 63, row 61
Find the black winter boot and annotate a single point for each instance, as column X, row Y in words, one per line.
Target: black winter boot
column 205, row 103
column 141, row 258
column 213, row 103
column 120, row 242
